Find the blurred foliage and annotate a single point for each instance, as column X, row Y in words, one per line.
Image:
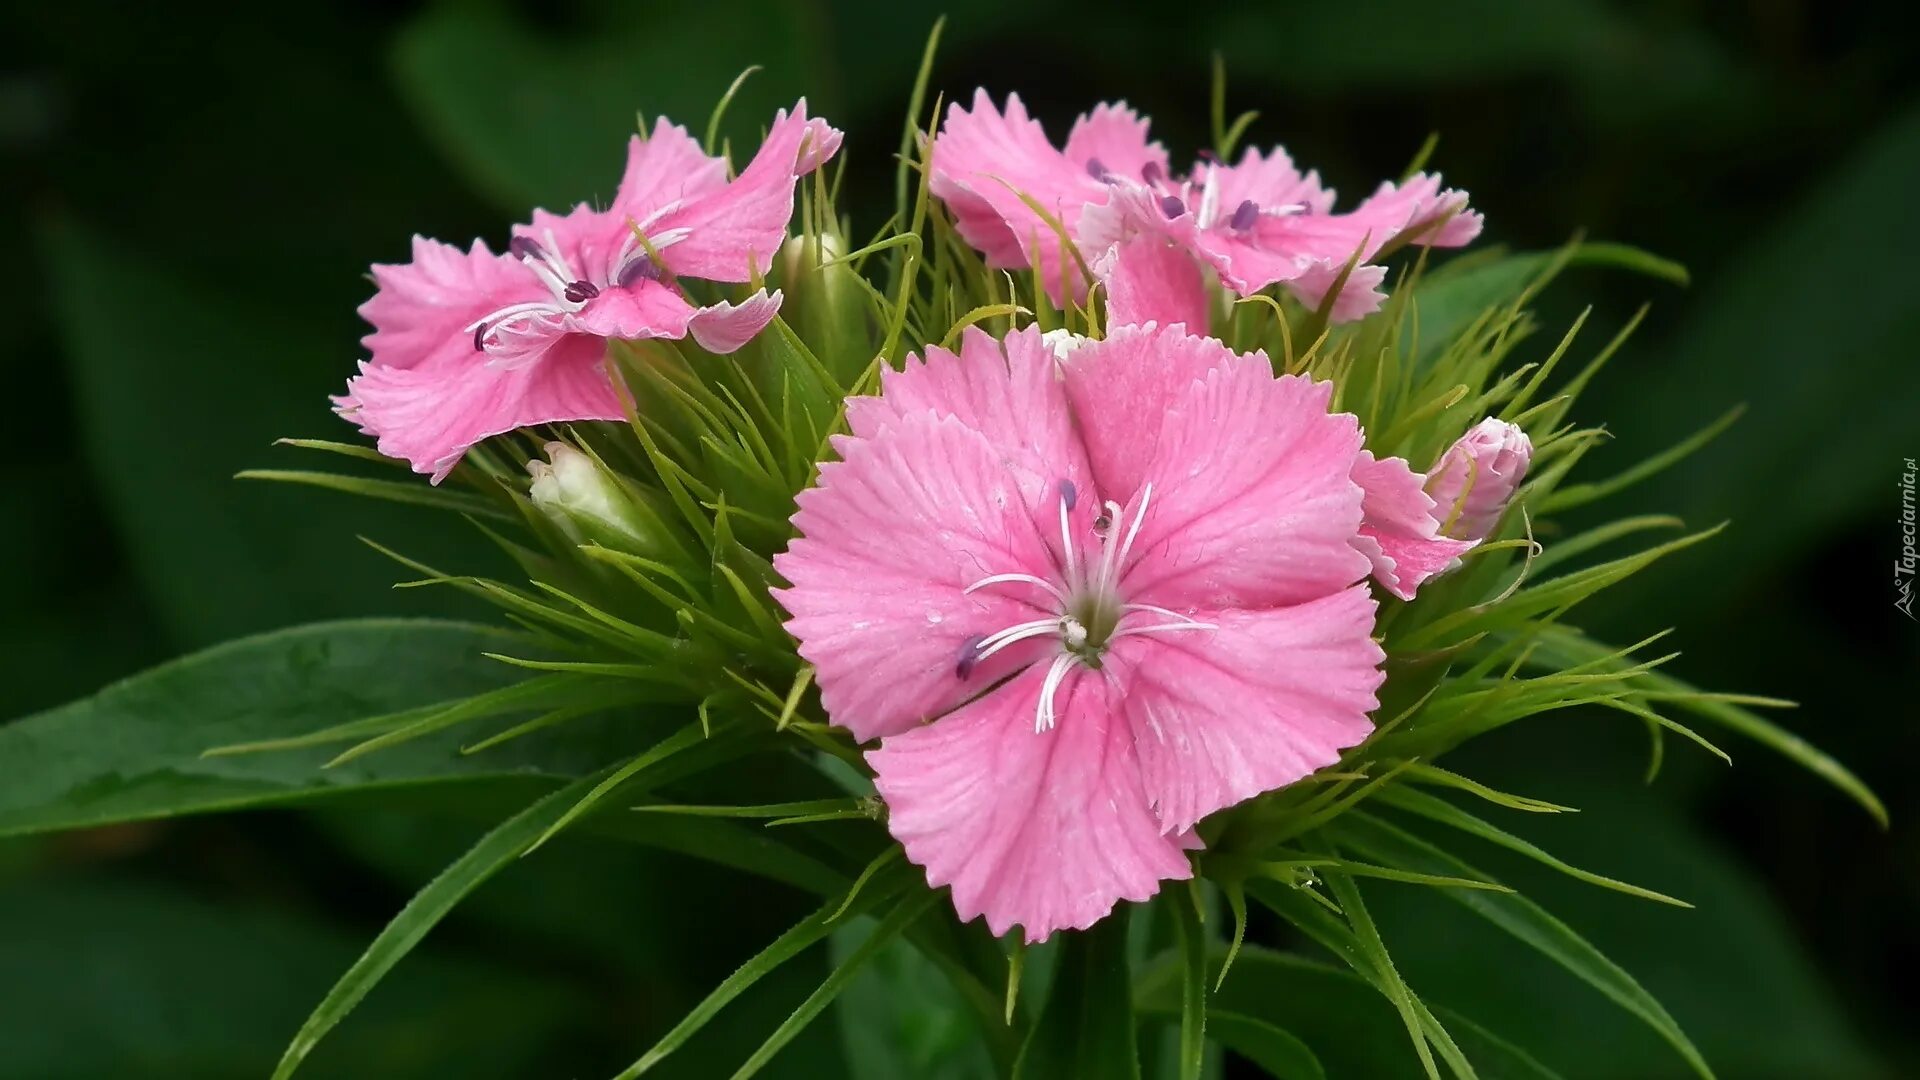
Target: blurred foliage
column 198, row 194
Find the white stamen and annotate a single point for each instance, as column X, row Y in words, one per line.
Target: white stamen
column 1168, row 612
column 1066, row 540
column 994, row 642
column 1162, row 627
column 1043, row 716
column 1003, row 579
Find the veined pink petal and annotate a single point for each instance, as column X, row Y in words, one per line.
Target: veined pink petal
column 1359, row 297
column 734, row 231
column 666, row 167
column 1222, row 715
column 645, row 309
column 1418, row 211
column 891, row 537
column 1047, row 830
column 422, row 309
column 984, row 161
column 1150, row 280
column 1113, row 138
column 429, row 416
column 724, row 327
column 1400, row 534
column 1008, row 390
column 1251, row 505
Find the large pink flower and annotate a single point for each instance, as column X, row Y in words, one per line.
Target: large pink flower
column 1084, row 603
column 1148, row 234
column 472, row 344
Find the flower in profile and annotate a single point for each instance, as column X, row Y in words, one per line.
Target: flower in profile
column 1400, row 533
column 1475, row 479
column 472, row 344
column 1084, row 603
column 1151, row 237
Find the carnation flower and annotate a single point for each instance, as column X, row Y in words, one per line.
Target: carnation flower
column 472, row 344
column 1150, row 236
column 1084, row 603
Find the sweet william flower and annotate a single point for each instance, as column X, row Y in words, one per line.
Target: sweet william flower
column 472, row 344
column 1084, row 603
column 1151, row 237
column 1476, row 477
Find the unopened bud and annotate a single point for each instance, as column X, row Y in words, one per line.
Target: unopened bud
column 1475, row 479
column 585, row 502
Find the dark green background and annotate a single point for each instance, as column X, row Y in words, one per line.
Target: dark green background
column 192, row 199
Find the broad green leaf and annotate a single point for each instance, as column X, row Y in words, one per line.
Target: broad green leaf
column 1086, row 1027
column 499, row 847
column 112, row 978
column 1522, row 918
column 538, row 118
column 234, row 371
column 135, row 749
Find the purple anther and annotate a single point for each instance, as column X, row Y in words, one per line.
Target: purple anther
column 1095, row 169
column 1172, row 206
column 580, row 292
column 1068, row 494
column 480, row 337
column 521, row 247
column 1152, row 173
column 1245, row 215
column 969, row 656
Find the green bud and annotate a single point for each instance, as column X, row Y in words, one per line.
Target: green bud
column 588, row 503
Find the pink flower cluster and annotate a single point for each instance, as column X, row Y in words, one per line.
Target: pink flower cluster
column 1151, row 237
column 1086, row 601
column 1084, row 593
column 467, row 345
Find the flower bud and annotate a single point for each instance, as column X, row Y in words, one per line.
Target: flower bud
column 1474, row 480
column 587, row 503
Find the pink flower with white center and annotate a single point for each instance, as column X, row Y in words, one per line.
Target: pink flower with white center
column 467, row 345
column 1475, row 479
column 1152, row 237
column 1084, row 602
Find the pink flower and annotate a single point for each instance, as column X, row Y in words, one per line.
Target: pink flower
column 1400, row 532
column 1475, row 479
column 1084, row 603
column 472, row 344
column 1148, row 234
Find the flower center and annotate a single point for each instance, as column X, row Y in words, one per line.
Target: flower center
column 1090, row 609
column 518, row 330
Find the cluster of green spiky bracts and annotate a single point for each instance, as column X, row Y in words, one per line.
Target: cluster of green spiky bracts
column 666, row 622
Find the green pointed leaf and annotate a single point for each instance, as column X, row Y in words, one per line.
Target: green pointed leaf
column 1523, row 919
column 136, row 749
column 1086, row 1027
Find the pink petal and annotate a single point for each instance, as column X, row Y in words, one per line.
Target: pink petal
column 733, row 232
column 1269, row 181
column 421, row 309
column 1400, row 534
column 983, row 162
column 1476, row 477
column 724, row 327
column 1114, row 138
column 1008, row 390
column 1252, row 504
column 1150, row 280
column 1221, row 716
column 1418, row 211
column 1359, row 297
column 430, row 415
column 645, row 309
column 1047, row 830
column 664, row 168
column 891, row 537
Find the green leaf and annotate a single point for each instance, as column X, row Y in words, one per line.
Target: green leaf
column 1326, row 1015
column 540, row 120
column 121, row 979
column 1086, row 1027
column 807, row 932
column 1267, row 1046
column 233, row 372
column 1193, row 995
column 135, row 750
column 1522, row 918
column 494, row 851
